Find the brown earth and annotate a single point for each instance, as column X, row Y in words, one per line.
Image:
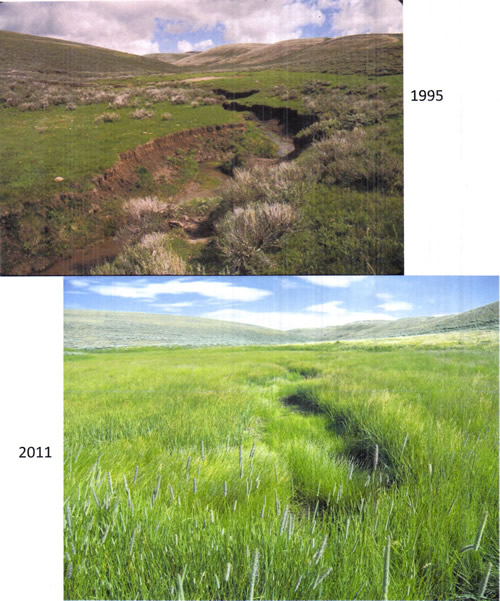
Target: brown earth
column 207, row 143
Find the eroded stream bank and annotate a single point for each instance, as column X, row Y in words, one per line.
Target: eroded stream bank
column 207, row 146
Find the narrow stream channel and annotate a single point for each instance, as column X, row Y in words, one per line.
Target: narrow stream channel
column 84, row 259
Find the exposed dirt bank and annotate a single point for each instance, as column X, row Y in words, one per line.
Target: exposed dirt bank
column 207, row 143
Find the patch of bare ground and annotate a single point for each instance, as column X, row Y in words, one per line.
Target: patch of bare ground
column 193, row 79
column 207, row 143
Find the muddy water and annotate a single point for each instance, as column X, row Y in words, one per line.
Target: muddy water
column 284, row 143
column 85, row 258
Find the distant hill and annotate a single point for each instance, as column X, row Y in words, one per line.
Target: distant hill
column 373, row 54
column 104, row 329
column 483, row 318
column 29, row 53
column 172, row 57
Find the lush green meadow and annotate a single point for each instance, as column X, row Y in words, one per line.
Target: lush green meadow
column 327, row 471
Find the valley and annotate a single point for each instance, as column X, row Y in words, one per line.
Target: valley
column 90, row 133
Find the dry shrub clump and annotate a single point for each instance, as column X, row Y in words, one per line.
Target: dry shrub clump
column 143, row 216
column 356, row 159
column 181, row 98
column 148, row 259
column 285, row 182
column 166, row 116
column 245, row 235
column 107, row 117
column 142, row 113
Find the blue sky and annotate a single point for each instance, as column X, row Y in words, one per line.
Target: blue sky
column 284, row 302
column 146, row 26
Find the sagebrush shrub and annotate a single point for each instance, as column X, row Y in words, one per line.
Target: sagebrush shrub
column 244, row 235
column 141, row 260
column 142, row 113
column 143, row 216
column 107, row 117
column 285, row 182
column 356, row 159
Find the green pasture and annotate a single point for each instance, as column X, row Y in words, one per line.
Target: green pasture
column 39, row 146
column 363, row 470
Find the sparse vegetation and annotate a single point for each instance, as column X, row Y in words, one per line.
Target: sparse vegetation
column 345, row 188
column 148, row 257
column 107, row 117
column 142, row 113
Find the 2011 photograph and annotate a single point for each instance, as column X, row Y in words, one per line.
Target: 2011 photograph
column 305, row 437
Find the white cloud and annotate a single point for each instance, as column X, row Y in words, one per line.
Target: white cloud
column 131, row 26
column 266, row 21
column 217, row 290
column 325, row 4
column 79, row 283
column 333, row 281
column 288, row 284
column 186, row 46
column 172, row 306
column 334, row 311
column 316, row 316
column 396, row 306
column 273, row 319
column 203, row 45
column 124, row 26
column 384, row 296
column 367, row 16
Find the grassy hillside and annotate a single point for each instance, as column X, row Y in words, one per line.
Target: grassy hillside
column 319, row 472
column 34, row 54
column 101, row 329
column 171, row 57
column 372, row 54
column 482, row 318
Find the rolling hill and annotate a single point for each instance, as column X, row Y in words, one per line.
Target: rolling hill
column 482, row 318
column 34, row 54
column 372, row 54
column 104, row 329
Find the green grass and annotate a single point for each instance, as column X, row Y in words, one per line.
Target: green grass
column 265, row 81
column 180, row 462
column 74, row 146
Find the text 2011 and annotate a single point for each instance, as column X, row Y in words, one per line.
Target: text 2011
column 35, row 452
